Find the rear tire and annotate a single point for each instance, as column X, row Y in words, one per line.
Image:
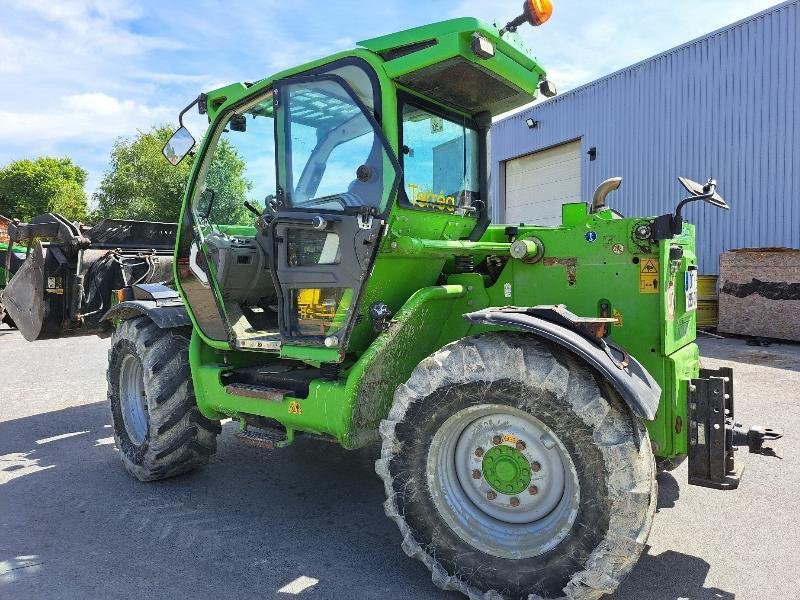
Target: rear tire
column 158, row 428
column 511, row 387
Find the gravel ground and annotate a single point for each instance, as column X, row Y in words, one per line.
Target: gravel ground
column 307, row 521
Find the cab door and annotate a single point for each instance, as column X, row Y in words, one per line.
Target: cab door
column 337, row 176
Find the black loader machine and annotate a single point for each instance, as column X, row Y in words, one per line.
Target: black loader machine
column 69, row 276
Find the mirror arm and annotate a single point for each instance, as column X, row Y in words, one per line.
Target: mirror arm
column 201, row 103
column 677, row 219
column 709, row 194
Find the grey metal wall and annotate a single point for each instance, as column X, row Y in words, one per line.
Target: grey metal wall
column 726, row 105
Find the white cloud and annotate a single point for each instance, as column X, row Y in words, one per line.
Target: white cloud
column 81, row 76
column 86, row 118
column 79, row 73
column 97, row 103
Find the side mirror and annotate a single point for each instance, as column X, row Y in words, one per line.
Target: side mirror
column 669, row 225
column 704, row 191
column 178, row 146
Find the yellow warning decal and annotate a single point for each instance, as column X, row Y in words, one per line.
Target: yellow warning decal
column 295, row 409
column 509, row 438
column 648, row 276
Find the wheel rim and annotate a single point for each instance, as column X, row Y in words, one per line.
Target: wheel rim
column 503, row 481
column 132, row 399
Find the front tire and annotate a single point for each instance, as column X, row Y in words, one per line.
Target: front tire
column 158, row 428
column 572, row 525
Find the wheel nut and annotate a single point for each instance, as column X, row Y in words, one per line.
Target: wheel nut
column 520, row 445
column 491, row 495
column 515, row 502
column 536, row 467
column 533, row 490
column 478, row 452
column 496, row 440
column 476, row 474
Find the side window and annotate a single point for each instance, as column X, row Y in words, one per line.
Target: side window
column 242, row 168
column 335, row 157
column 440, row 160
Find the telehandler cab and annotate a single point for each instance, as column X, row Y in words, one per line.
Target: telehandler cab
column 526, row 382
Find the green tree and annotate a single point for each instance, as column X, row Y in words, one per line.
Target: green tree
column 140, row 184
column 226, row 178
column 32, row 187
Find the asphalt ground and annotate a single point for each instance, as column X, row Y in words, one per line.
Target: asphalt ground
column 307, row 521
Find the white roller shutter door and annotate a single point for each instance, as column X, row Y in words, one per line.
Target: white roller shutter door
column 539, row 183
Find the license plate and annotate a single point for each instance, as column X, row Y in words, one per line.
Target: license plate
column 690, row 287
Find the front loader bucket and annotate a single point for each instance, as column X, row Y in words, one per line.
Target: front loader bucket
column 24, row 296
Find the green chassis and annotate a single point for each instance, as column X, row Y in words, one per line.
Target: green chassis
column 592, row 264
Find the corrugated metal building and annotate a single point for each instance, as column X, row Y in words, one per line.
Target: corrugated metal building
column 726, row 105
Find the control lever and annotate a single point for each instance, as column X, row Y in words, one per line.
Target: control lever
column 252, row 208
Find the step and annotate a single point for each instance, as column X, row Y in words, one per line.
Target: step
column 257, row 391
column 268, row 439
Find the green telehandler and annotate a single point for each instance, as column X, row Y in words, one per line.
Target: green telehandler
column 525, row 382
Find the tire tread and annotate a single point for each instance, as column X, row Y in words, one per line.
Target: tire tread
column 180, row 438
column 631, row 483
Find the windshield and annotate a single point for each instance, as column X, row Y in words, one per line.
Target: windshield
column 440, row 160
column 242, row 167
column 335, row 158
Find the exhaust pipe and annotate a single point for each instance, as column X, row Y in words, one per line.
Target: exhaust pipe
column 603, row 190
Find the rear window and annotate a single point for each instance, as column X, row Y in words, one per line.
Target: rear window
column 440, row 160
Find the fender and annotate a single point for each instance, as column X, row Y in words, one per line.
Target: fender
column 160, row 304
column 581, row 336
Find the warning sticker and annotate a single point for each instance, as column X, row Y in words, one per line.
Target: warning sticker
column 510, row 438
column 648, row 276
column 690, row 289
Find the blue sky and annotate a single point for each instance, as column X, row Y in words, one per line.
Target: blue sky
column 76, row 74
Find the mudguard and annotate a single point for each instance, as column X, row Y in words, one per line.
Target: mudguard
column 627, row 376
column 160, row 304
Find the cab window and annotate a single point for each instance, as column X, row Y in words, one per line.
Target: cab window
column 440, row 160
column 335, row 158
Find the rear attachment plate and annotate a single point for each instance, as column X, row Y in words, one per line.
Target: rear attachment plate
column 711, row 461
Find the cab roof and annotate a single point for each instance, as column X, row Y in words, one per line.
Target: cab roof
column 438, row 60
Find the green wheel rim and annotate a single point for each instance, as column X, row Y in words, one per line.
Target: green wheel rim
column 506, row 469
